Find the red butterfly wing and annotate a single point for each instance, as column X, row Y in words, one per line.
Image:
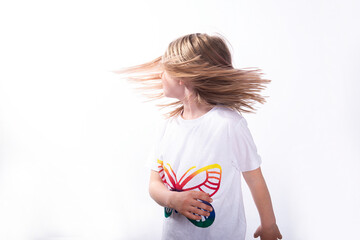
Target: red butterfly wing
column 206, row 179
column 168, row 176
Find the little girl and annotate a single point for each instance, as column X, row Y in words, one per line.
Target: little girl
column 204, row 145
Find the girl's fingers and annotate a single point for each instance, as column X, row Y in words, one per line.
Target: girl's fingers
column 201, row 205
column 205, row 207
column 200, row 212
column 257, row 232
column 190, row 215
column 202, row 196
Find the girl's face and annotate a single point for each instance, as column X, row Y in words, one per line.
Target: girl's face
column 172, row 86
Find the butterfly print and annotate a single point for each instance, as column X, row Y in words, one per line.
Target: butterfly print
column 206, row 179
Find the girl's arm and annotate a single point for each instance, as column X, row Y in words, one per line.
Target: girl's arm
column 185, row 202
column 268, row 229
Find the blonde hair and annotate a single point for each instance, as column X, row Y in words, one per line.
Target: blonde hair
column 203, row 62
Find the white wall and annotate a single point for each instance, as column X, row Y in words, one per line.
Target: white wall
column 74, row 137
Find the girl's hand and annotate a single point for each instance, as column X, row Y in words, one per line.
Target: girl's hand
column 268, row 233
column 187, row 203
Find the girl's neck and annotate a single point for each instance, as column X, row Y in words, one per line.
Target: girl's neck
column 195, row 110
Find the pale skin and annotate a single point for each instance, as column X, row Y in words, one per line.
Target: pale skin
column 187, row 202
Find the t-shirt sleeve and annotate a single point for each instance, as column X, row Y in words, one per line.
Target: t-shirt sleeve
column 247, row 157
column 150, row 162
column 152, row 156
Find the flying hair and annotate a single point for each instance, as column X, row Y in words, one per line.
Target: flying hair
column 203, row 62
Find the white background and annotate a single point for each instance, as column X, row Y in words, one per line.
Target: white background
column 74, row 136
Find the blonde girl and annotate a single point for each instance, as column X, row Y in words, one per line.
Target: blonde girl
column 204, row 145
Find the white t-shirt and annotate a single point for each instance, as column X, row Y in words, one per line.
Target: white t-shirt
column 206, row 154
